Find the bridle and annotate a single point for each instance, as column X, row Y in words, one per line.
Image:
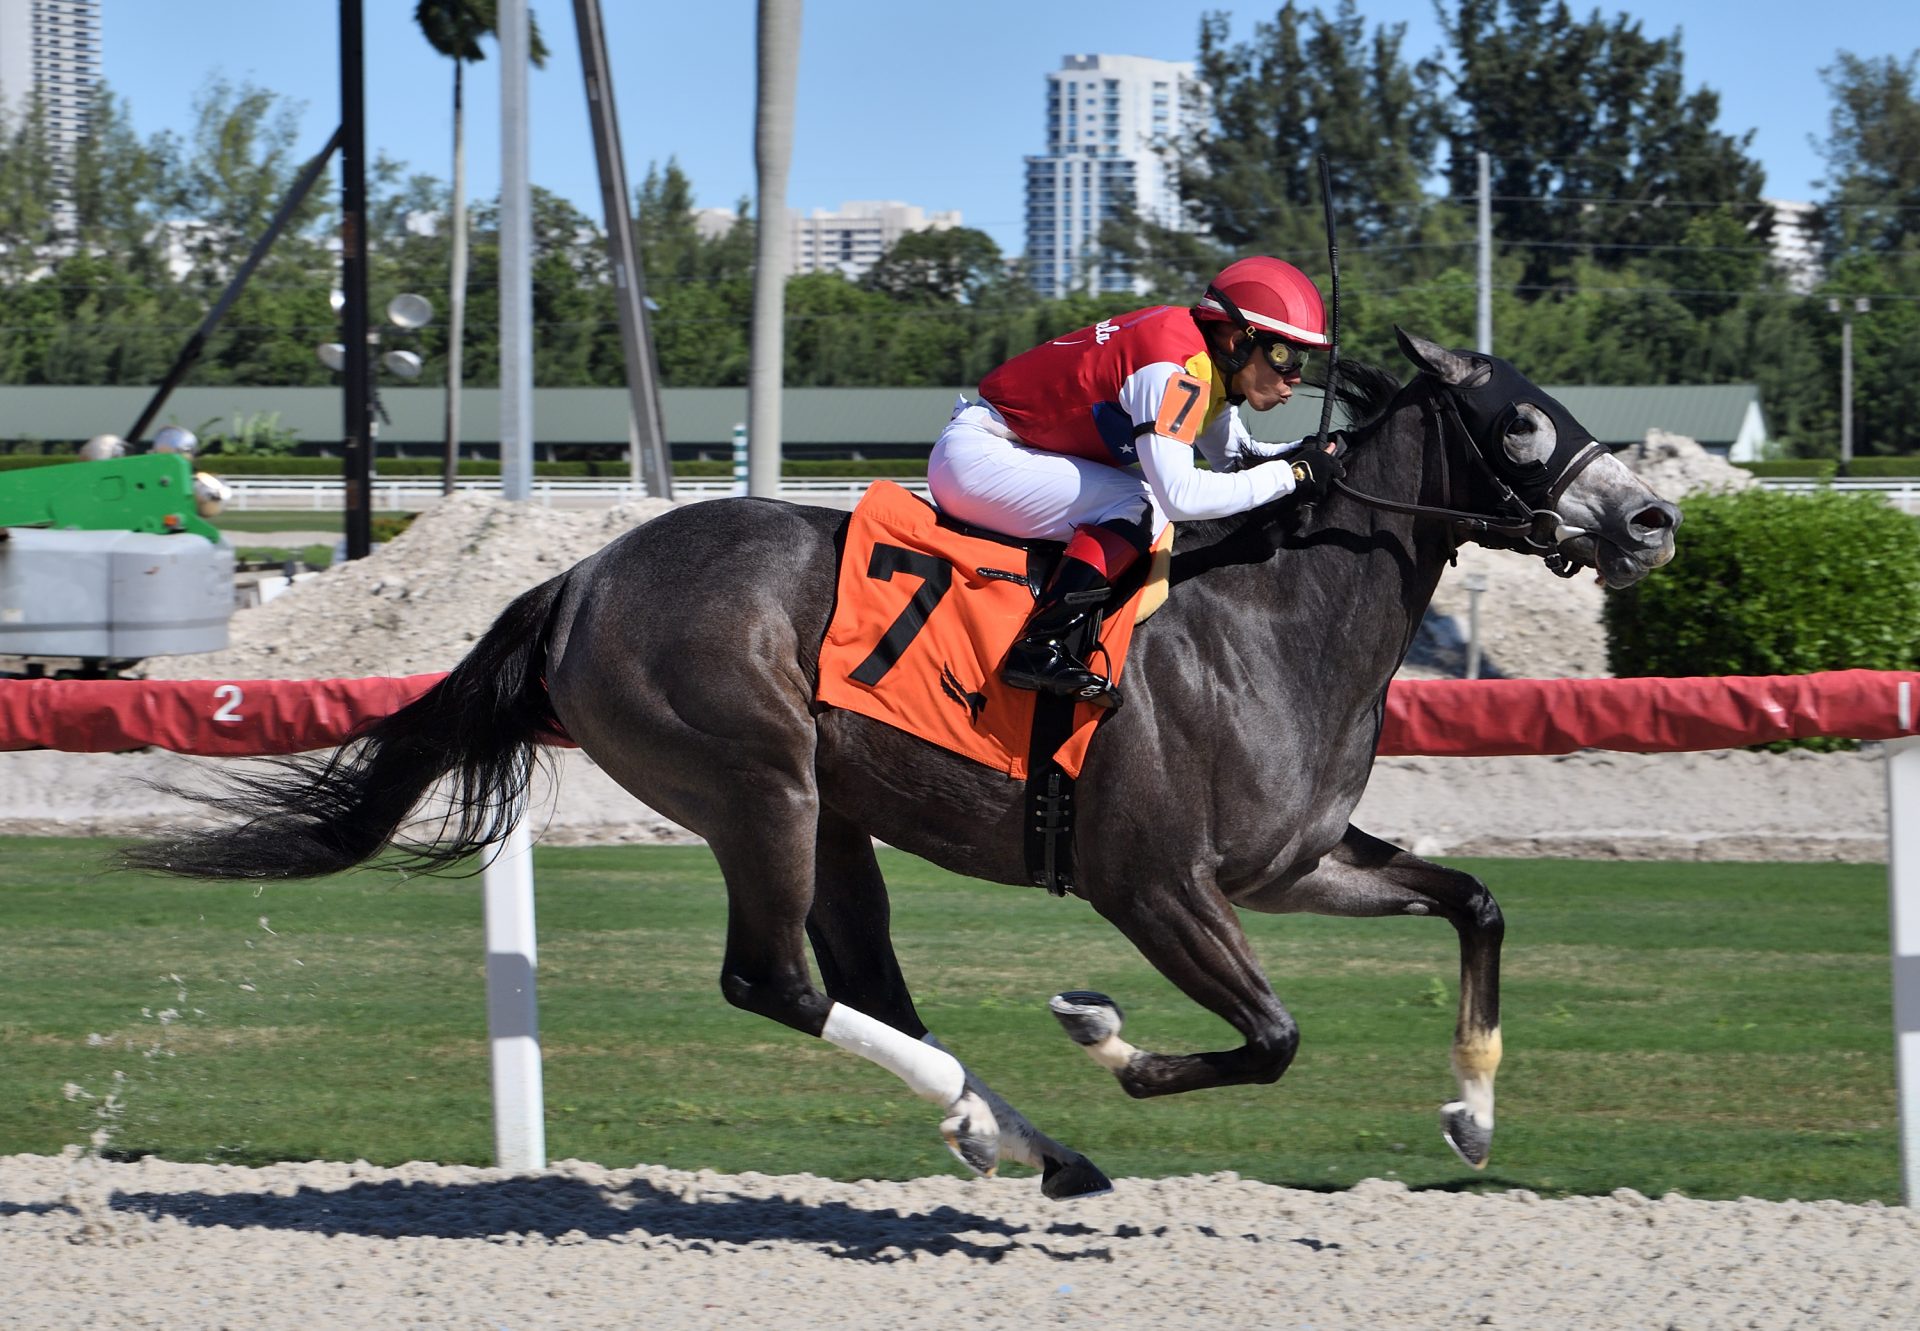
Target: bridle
column 1517, row 524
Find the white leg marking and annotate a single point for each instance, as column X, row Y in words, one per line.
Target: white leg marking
column 1019, row 1140
column 930, row 1073
column 1112, row 1053
column 1109, row 1051
column 1474, row 1063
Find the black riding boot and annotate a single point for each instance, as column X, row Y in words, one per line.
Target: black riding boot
column 1041, row 660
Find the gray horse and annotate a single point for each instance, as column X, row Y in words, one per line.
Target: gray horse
column 682, row 658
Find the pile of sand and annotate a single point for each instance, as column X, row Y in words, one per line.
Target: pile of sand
column 417, row 603
column 1676, row 466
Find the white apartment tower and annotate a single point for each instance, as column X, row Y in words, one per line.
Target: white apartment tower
column 1108, row 119
column 50, row 49
column 851, row 240
column 1796, row 243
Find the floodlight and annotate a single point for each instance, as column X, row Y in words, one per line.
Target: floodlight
column 403, row 363
column 409, row 311
column 333, row 355
column 175, row 439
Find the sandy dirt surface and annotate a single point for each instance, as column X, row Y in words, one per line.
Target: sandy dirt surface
column 1681, row 806
column 152, row 1244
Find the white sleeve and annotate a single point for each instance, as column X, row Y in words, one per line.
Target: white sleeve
column 1187, row 494
column 1238, row 449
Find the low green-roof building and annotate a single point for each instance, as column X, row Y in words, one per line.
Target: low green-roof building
column 1726, row 418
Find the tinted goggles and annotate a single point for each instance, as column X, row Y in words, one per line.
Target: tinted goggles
column 1285, row 357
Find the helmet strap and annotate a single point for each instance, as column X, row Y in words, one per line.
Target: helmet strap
column 1232, row 362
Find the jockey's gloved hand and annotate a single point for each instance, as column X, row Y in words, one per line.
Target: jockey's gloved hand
column 1335, row 443
column 1314, row 472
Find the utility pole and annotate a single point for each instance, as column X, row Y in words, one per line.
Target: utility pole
column 356, row 433
column 516, row 257
column 1483, row 338
column 1861, row 305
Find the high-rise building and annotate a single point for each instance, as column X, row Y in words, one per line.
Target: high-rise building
column 851, row 240
column 1796, row 243
column 1109, row 120
column 50, row 49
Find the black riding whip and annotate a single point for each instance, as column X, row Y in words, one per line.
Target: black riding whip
column 1333, row 269
column 1303, row 511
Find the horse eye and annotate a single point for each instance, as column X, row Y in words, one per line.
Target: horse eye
column 1530, row 435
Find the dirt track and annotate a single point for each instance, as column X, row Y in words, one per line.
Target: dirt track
column 336, row 1245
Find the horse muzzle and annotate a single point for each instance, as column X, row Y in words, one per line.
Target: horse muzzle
column 1625, row 549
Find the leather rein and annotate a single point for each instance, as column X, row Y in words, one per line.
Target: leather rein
column 1537, row 530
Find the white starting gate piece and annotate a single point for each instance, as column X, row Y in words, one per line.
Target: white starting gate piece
column 1903, row 874
column 513, row 1011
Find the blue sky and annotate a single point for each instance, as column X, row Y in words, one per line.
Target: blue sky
column 933, row 104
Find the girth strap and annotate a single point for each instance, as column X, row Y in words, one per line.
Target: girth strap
column 1049, row 798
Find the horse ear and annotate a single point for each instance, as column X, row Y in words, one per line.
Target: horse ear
column 1450, row 367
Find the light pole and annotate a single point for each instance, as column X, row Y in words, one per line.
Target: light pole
column 356, row 432
column 408, row 313
column 1861, row 305
column 1475, row 583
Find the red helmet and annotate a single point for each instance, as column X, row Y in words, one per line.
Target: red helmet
column 1268, row 296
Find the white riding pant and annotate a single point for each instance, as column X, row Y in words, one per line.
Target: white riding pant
column 980, row 474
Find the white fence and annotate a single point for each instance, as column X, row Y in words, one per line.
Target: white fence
column 321, row 494
column 1903, row 493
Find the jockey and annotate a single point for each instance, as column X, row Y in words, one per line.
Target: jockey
column 1090, row 439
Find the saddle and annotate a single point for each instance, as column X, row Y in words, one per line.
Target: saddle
column 926, row 608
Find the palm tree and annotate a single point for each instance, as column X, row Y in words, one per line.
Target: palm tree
column 454, row 29
column 778, row 35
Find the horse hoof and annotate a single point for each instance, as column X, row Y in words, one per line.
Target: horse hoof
column 1087, row 1017
column 1471, row 1142
column 972, row 1134
column 1069, row 1180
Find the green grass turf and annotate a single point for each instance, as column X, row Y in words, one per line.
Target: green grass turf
column 1720, row 1030
column 232, row 521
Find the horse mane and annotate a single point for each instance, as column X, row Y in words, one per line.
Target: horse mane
column 1366, row 391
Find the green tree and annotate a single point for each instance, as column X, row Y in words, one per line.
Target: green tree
column 1306, row 83
column 1873, row 152
column 1595, row 141
column 224, row 185
column 703, row 286
column 939, row 266
column 117, row 186
column 28, row 228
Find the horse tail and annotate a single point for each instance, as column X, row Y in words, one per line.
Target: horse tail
column 477, row 729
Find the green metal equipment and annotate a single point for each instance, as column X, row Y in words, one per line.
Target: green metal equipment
column 150, row 492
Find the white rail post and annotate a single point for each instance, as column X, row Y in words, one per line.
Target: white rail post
column 513, row 1011
column 1903, row 873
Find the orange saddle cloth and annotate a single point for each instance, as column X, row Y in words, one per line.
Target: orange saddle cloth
column 923, row 617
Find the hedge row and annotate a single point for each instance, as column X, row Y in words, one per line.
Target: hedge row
column 1772, row 583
